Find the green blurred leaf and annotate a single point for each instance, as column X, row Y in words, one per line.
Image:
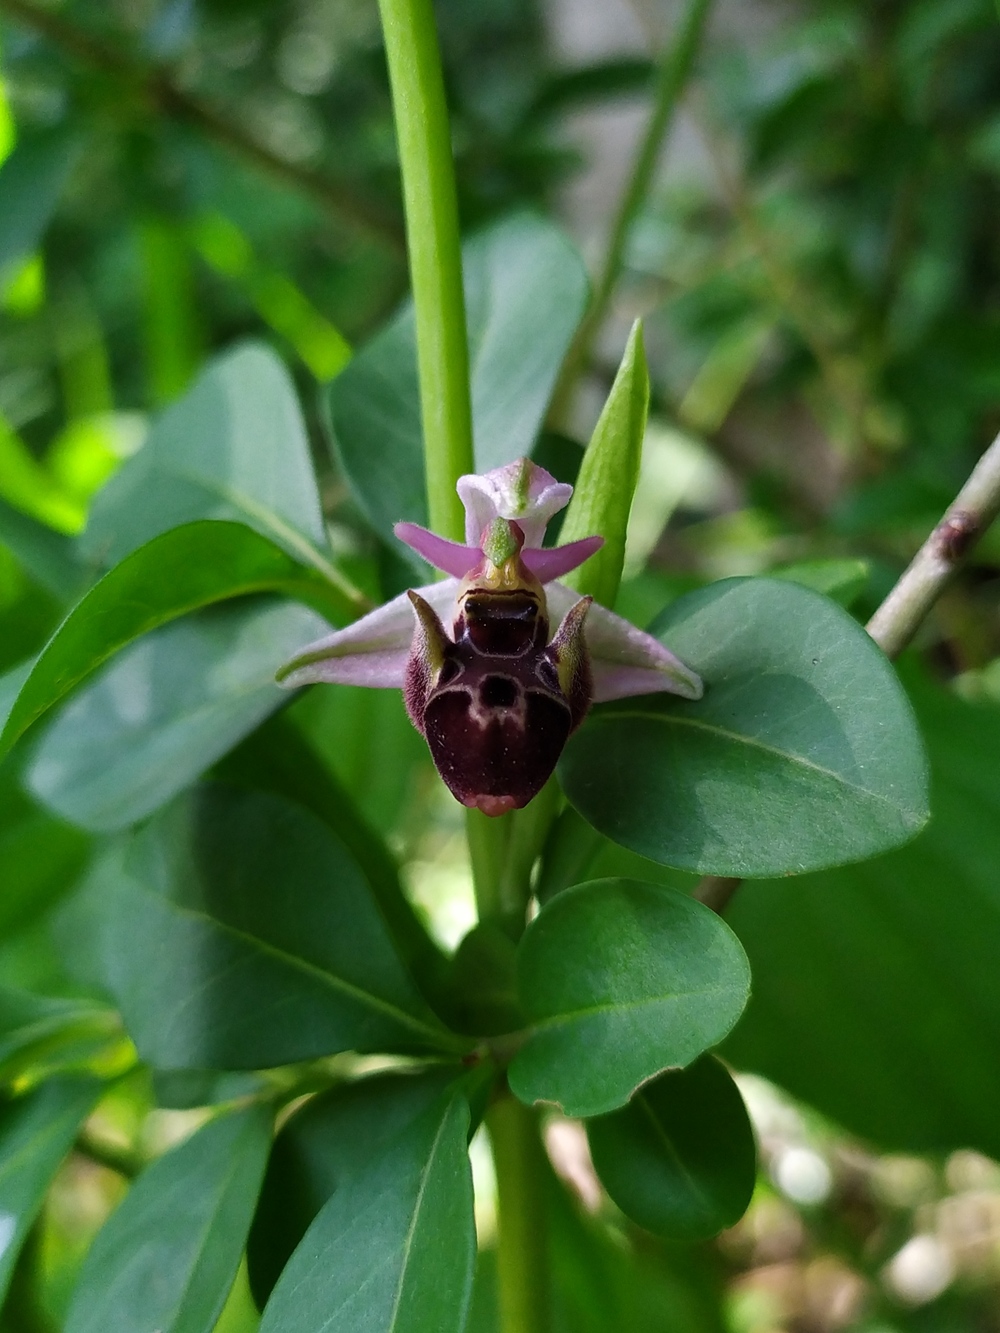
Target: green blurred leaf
column 165, row 710
column 878, row 979
column 803, row 753
column 36, row 1027
column 36, row 1132
column 40, row 858
column 234, row 447
column 393, row 1249
column 621, row 979
column 842, row 580
column 608, row 475
column 31, row 181
column 525, row 289
column 680, row 1158
column 177, row 572
column 319, row 1148
column 168, row 1256
column 242, row 935
column 49, row 557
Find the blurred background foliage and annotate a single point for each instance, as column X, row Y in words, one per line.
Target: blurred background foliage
column 818, row 265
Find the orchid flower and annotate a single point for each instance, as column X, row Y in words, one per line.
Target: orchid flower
column 495, row 696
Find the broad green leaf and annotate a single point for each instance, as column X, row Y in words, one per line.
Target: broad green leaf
column 319, row 1148
column 278, row 758
column 608, row 475
column 874, row 981
column 234, row 447
column 47, row 556
column 31, row 181
column 165, row 710
column 621, row 979
column 167, row 1257
column 243, row 935
column 679, row 1159
column 803, row 753
column 393, row 1249
column 180, row 571
column 36, row 1132
column 525, row 290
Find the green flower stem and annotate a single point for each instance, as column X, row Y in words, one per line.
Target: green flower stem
column 435, row 257
column 522, row 1255
column 674, row 72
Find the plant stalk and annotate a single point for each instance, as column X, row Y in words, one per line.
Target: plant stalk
column 675, row 69
column 916, row 590
column 432, row 239
column 522, row 1254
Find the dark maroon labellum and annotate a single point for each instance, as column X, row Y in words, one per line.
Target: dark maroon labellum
column 497, row 702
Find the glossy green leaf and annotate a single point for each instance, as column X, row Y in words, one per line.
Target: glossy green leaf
column 180, row 571
column 680, row 1158
column 319, row 1148
column 875, row 995
column 525, row 290
column 36, row 1132
column 167, row 1257
column 234, row 447
column 165, row 710
column 608, row 476
column 31, row 181
column 393, row 1249
column 621, row 979
column 242, row 935
column 803, row 753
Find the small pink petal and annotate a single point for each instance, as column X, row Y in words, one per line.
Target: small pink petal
column 553, row 562
column 452, row 557
column 373, row 650
column 520, row 490
column 624, row 659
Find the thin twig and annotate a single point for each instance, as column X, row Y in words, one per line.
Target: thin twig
column 675, row 70
column 919, row 586
column 154, row 86
column 123, row 1161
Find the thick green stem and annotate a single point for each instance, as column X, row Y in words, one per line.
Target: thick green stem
column 522, row 1256
column 435, row 257
column 674, row 71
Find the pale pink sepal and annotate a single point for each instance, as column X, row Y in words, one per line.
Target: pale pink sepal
column 373, row 650
column 520, row 490
column 624, row 660
column 553, row 562
column 451, row 557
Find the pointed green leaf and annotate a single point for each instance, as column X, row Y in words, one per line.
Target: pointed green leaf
column 167, row 1258
column 36, row 1132
column 165, row 710
column 621, row 979
column 322, row 1146
column 186, row 568
column 680, row 1158
column 608, row 475
column 234, row 447
column 393, row 1249
column 803, row 753
column 525, row 289
column 242, row 935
